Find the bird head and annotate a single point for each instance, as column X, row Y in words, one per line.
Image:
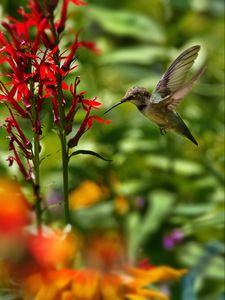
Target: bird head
column 136, row 95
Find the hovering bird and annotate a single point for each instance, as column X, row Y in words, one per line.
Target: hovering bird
column 160, row 105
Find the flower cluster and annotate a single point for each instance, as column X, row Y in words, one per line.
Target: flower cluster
column 34, row 79
column 56, row 264
column 102, row 282
column 172, row 239
column 35, row 72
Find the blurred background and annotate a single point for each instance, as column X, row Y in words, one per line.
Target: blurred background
column 165, row 193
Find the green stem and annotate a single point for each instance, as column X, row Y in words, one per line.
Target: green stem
column 65, row 162
column 62, row 133
column 65, row 159
column 36, row 159
column 36, row 185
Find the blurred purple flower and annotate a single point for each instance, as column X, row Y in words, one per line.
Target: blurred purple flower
column 54, row 201
column 140, row 202
column 172, row 239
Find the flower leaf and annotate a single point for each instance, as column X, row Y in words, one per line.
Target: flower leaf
column 88, row 152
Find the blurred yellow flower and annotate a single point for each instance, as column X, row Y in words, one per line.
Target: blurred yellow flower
column 87, row 194
column 90, row 284
column 121, row 205
column 107, row 277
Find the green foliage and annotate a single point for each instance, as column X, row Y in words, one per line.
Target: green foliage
column 125, row 23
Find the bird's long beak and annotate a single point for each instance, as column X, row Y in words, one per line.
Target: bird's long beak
column 118, row 103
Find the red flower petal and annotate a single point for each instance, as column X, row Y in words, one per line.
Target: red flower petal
column 64, row 86
column 100, row 120
column 91, row 103
column 78, row 2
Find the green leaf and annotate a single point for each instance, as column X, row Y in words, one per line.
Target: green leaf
column 88, row 152
column 161, row 203
column 192, row 210
column 126, row 23
column 88, row 218
column 213, row 220
column 192, row 253
column 144, row 55
column 182, row 167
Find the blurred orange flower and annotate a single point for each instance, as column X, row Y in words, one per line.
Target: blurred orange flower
column 105, row 251
column 108, row 278
column 90, row 284
column 52, row 249
column 14, row 212
column 36, row 250
column 122, row 205
column 87, row 194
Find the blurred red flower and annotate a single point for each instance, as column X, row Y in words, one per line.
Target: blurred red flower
column 52, row 249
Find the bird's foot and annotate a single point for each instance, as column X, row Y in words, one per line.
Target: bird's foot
column 162, row 131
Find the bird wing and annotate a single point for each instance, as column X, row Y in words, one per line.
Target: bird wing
column 173, row 80
column 178, row 95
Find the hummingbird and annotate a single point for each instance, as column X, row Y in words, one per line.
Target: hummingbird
column 160, row 105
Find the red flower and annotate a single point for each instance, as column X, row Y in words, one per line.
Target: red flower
column 145, row 265
column 62, row 21
column 98, row 119
column 7, row 96
column 87, row 122
column 36, row 75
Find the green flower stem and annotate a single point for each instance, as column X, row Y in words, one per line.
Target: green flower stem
column 36, row 160
column 36, row 184
column 65, row 159
column 62, row 133
column 65, row 162
column 36, row 164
